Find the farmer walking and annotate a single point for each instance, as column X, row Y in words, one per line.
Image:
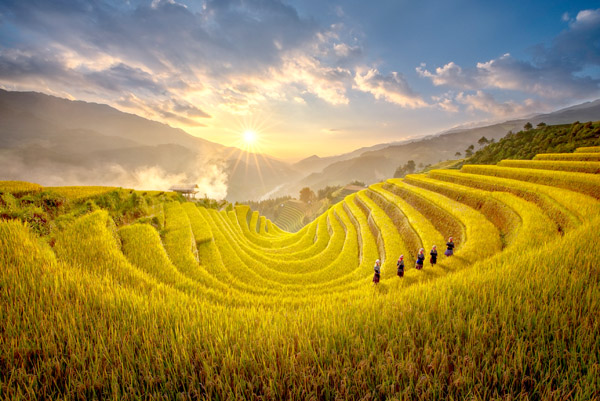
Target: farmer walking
column 449, row 247
column 420, row 259
column 377, row 269
column 433, row 254
column 400, row 265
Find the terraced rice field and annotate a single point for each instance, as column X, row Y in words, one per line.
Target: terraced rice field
column 291, row 216
column 227, row 305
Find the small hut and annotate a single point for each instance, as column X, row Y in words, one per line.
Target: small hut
column 188, row 191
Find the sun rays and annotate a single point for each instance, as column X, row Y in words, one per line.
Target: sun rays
column 249, row 137
column 252, row 134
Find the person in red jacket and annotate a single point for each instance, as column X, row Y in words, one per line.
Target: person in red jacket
column 400, row 265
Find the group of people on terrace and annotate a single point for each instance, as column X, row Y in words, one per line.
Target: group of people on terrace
column 420, row 260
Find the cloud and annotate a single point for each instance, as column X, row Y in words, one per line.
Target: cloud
column 576, row 47
column 189, row 109
column 345, row 51
column 451, row 74
column 392, row 88
column 446, row 102
column 46, row 70
column 231, row 54
column 327, row 83
column 483, row 101
column 299, row 100
column 298, row 75
column 586, row 17
column 333, row 132
column 148, row 178
column 508, row 73
column 213, row 181
column 339, row 11
column 169, row 109
column 210, row 176
column 120, row 76
column 322, row 66
column 25, row 66
column 554, row 73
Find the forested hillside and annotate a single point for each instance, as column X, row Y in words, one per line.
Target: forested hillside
column 527, row 143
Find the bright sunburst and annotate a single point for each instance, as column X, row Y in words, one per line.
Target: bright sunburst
column 249, row 137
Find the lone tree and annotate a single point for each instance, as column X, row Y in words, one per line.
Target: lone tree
column 528, row 126
column 483, row 141
column 408, row 168
column 307, row 195
column 458, row 154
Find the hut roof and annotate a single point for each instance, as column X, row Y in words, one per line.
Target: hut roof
column 190, row 188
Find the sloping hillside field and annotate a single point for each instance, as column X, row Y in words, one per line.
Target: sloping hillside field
column 192, row 303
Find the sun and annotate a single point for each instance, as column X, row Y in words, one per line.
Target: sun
column 249, row 137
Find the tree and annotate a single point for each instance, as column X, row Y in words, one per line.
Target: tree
column 458, row 154
column 541, row 125
column 307, row 195
column 528, row 126
column 483, row 141
column 469, row 151
column 408, row 168
column 400, row 172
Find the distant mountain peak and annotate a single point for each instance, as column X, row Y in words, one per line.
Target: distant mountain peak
column 309, row 158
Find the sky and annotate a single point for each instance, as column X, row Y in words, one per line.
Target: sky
column 307, row 76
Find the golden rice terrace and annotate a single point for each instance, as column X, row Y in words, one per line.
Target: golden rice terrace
column 210, row 304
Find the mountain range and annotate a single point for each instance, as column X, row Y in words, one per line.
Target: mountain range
column 376, row 163
column 54, row 141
